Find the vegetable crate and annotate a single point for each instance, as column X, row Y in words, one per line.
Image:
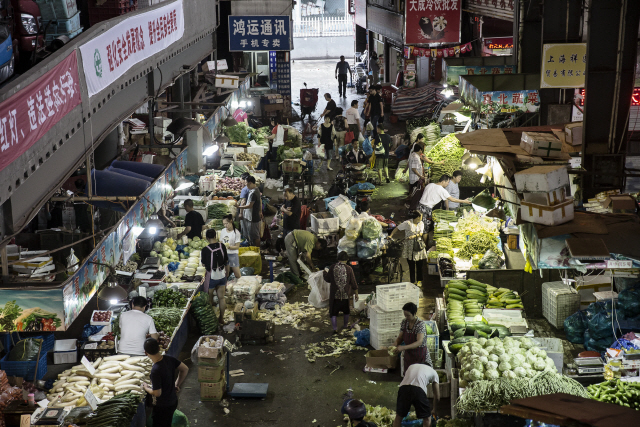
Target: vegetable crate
column 381, row 339
column 433, row 340
column 385, row 320
column 392, row 297
column 331, row 199
column 93, row 354
column 8, row 339
column 25, row 370
column 57, row 9
column 559, row 301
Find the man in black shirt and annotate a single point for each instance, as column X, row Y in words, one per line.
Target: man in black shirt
column 164, row 383
column 252, row 214
column 381, row 144
column 355, row 155
column 329, row 110
column 377, row 108
column 193, row 221
column 291, row 211
column 342, row 68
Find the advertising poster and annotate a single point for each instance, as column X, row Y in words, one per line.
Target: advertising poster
column 563, row 65
column 432, row 21
column 25, row 310
column 524, row 101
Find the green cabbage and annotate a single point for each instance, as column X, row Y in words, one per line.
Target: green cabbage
column 492, row 375
column 371, row 229
column 504, row 366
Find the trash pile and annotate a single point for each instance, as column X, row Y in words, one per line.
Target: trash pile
column 333, row 346
column 271, row 295
column 296, row 315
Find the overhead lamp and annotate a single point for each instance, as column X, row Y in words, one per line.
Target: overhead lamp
column 447, row 92
column 112, row 292
column 183, row 184
column 473, row 162
column 465, row 156
column 234, row 104
column 222, row 139
column 154, row 225
column 229, row 121
column 210, row 150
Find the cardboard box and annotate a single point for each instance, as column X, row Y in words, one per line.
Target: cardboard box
column 381, row 359
column 512, row 242
column 239, row 312
column 212, row 373
column 210, row 66
column 573, row 133
column 547, row 215
column 212, row 391
column 324, row 223
column 541, row 144
column 210, row 352
column 542, row 179
column 291, row 166
column 161, row 122
column 550, row 198
column 622, row 203
column 230, row 82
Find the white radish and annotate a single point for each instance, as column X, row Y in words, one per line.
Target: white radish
column 117, row 357
column 127, row 367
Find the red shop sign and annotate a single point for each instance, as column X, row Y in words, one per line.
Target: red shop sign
column 432, row 21
column 29, row 114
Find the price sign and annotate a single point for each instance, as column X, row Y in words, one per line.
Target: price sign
column 143, row 291
column 91, row 399
column 88, row 365
column 619, row 264
column 25, row 420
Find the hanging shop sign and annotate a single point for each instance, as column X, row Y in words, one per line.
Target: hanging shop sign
column 491, row 102
column 385, row 23
column 360, row 17
column 108, row 56
column 259, row 33
column 30, row 113
column 499, row 9
column 432, row 21
column 497, row 46
column 453, row 73
column 563, row 65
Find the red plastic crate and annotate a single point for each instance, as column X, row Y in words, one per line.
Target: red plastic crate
column 110, row 9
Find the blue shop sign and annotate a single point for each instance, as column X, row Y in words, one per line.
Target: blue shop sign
column 259, row 33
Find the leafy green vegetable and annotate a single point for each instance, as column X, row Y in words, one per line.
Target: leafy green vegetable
column 371, row 229
column 169, row 298
column 166, row 319
column 237, row 133
column 217, row 210
column 8, row 315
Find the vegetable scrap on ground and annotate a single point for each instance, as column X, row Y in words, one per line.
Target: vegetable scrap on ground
column 296, row 315
column 333, row 346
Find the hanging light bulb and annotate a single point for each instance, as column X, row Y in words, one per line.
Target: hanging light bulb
column 210, row 150
column 183, row 184
column 473, row 162
column 154, row 225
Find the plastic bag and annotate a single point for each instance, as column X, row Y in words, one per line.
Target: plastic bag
column 600, row 325
column 574, row 327
column 629, row 302
column 593, row 309
column 368, row 248
column 599, row 345
column 363, row 337
column 316, row 279
column 307, row 156
column 354, row 226
column 72, row 263
column 347, row 245
column 320, row 151
column 366, row 147
column 490, row 261
column 246, row 271
column 25, row 350
column 315, row 299
column 371, row 229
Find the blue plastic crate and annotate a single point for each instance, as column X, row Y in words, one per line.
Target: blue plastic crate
column 48, row 340
column 25, row 369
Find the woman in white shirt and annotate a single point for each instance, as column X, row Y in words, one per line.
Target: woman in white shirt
column 232, row 239
column 413, row 229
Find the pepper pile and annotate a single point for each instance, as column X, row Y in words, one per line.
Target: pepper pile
column 169, row 298
column 621, row 393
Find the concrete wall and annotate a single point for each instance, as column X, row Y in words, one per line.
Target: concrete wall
column 322, row 47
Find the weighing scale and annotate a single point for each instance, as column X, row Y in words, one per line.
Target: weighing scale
column 589, row 365
column 271, row 259
column 254, row 390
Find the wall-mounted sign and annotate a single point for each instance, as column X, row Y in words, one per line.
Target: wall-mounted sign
column 563, row 65
column 453, row 73
column 432, row 21
column 503, row 101
column 497, row 46
column 259, row 33
column 500, row 9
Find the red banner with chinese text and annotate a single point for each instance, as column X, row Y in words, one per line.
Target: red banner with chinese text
column 432, row 21
column 29, row 114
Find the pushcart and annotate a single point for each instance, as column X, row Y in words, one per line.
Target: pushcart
column 308, row 101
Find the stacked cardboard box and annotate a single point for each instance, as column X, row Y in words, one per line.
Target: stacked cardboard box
column 541, row 144
column 212, row 369
column 545, row 200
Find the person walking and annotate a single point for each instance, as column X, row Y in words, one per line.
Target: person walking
column 381, row 144
column 232, row 239
column 216, row 261
column 165, row 384
column 252, row 214
column 413, row 338
column 353, row 119
column 340, row 125
column 331, row 106
column 433, row 194
column 302, row 241
column 342, row 68
column 135, row 324
column 326, row 136
column 375, row 68
column 413, row 391
column 414, row 252
column 291, row 211
column 243, row 194
column 377, row 108
column 417, row 177
column 454, row 190
column 343, row 286
column 366, row 112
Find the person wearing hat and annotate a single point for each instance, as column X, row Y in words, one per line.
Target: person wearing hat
column 413, row 391
column 356, row 411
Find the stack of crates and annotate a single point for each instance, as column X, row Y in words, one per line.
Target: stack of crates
column 212, row 370
column 60, row 18
column 386, row 316
column 110, row 9
column 559, row 301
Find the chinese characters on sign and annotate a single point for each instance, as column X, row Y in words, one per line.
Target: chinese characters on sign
column 498, row 4
column 454, row 72
column 284, row 73
column 258, row 33
column 563, row 65
column 433, row 21
column 29, row 114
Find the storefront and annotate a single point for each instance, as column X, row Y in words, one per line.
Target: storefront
column 385, row 28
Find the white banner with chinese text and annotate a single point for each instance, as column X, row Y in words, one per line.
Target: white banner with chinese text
column 115, row 51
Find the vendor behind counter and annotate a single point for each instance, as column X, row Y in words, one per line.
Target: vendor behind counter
column 135, row 324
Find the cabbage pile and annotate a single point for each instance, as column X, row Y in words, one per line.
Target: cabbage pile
column 490, row 359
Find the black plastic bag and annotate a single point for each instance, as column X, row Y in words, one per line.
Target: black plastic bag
column 629, row 302
column 26, row 350
column 574, row 327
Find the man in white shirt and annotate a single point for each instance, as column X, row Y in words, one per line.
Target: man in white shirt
column 353, row 119
column 413, row 391
column 454, row 190
column 134, row 327
column 433, row 194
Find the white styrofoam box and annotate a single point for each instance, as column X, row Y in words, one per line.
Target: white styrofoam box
column 341, row 207
column 385, row 320
column 260, row 151
column 547, row 215
column 542, row 179
column 554, row 349
column 230, row 82
column 551, row 198
column 587, row 285
column 394, row 296
column 541, row 144
column 226, row 161
column 259, row 175
column 65, row 351
column 162, row 122
column 207, row 183
column 559, row 301
column 235, row 150
column 324, row 223
column 381, row 339
column 211, row 65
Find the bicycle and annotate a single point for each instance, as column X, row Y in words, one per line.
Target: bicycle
column 394, row 265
